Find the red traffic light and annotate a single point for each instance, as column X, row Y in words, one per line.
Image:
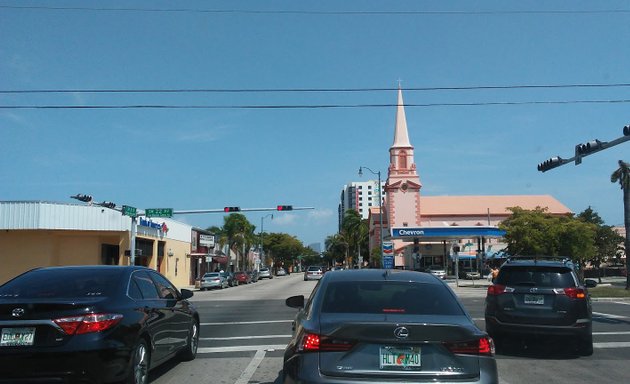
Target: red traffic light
column 231, row 209
column 284, row 207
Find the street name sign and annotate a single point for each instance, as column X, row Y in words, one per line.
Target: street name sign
column 129, row 211
column 158, row 212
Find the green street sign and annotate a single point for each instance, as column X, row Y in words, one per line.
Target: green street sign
column 129, row 211
column 158, row 212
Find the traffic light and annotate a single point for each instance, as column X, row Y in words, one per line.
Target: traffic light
column 626, row 130
column 232, row 209
column 588, row 148
column 554, row 162
column 284, row 207
column 84, row 198
column 108, row 204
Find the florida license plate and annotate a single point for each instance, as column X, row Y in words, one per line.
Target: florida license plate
column 12, row 337
column 535, row 299
column 408, row 358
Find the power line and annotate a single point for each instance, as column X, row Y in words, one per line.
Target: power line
column 322, row 13
column 315, row 90
column 319, row 106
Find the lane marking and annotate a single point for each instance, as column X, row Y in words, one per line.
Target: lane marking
column 241, row 348
column 625, row 344
column 610, row 316
column 245, row 337
column 610, row 333
column 248, row 322
column 251, row 368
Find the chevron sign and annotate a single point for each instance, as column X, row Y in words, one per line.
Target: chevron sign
column 388, row 248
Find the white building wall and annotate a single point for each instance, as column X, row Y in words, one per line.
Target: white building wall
column 364, row 200
column 33, row 215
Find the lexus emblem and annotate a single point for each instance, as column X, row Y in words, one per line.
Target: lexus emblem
column 401, row 333
column 17, row 312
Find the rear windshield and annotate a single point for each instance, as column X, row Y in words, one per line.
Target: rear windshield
column 213, row 274
column 390, row 297
column 536, row 276
column 313, row 269
column 63, row 283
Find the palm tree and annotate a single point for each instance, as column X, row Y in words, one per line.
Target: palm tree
column 236, row 228
column 351, row 230
column 336, row 247
column 622, row 175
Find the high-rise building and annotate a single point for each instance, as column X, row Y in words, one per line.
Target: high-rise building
column 360, row 196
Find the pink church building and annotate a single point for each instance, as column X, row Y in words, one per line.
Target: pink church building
column 405, row 207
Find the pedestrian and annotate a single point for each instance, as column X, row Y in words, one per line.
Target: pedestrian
column 494, row 272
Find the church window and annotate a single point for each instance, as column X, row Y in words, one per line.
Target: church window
column 402, row 160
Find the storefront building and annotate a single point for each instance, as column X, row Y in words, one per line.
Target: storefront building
column 38, row 234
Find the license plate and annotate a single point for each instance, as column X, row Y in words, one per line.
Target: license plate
column 535, row 299
column 400, row 358
column 12, row 337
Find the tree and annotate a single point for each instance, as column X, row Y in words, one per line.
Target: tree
column 622, row 176
column 536, row 232
column 336, row 247
column 236, row 228
column 606, row 239
column 283, row 248
column 355, row 230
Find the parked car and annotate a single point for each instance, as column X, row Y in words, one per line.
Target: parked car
column 253, row 275
column 93, row 324
column 213, row 280
column 376, row 326
column 437, row 270
column 281, row 272
column 264, row 273
column 540, row 296
column 469, row 273
column 242, row 277
column 313, row 272
column 229, row 276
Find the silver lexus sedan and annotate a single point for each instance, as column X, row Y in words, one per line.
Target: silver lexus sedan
column 385, row 326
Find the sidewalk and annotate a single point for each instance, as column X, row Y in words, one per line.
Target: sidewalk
column 469, row 288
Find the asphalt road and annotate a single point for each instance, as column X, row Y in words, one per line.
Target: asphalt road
column 244, row 330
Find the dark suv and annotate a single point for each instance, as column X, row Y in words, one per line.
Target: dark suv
column 540, row 296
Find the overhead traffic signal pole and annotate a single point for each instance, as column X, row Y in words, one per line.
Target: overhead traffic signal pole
column 583, row 150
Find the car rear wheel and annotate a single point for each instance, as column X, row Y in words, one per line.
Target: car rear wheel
column 585, row 345
column 190, row 351
column 139, row 373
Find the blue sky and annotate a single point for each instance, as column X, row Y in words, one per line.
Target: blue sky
column 208, row 158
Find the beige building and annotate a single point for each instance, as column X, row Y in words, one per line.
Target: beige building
column 36, row 234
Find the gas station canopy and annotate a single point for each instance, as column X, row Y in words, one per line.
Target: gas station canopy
column 445, row 233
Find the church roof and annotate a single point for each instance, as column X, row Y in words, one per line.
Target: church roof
column 401, row 136
column 479, row 205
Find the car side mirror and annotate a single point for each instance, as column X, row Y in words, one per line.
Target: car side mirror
column 295, row 301
column 590, row 283
column 186, row 293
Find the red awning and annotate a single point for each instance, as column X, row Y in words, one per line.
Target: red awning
column 220, row 259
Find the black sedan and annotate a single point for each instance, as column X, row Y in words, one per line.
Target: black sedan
column 377, row 326
column 96, row 324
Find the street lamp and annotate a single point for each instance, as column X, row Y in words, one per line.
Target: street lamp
column 262, row 246
column 380, row 204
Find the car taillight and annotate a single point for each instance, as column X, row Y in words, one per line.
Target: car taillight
column 575, row 293
column 496, row 289
column 483, row 346
column 312, row 342
column 94, row 322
